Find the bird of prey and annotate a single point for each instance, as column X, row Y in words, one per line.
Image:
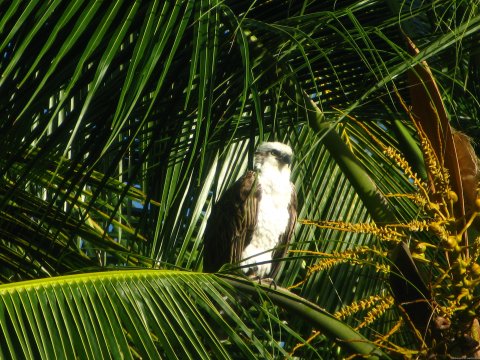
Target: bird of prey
column 253, row 221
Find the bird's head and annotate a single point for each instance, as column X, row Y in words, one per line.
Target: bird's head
column 273, row 154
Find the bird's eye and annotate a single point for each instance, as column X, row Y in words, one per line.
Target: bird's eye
column 275, row 152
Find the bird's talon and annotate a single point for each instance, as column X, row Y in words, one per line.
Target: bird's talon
column 270, row 282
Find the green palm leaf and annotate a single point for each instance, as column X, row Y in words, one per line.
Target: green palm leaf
column 121, row 123
column 150, row 314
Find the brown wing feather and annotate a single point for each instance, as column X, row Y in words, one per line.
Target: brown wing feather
column 287, row 235
column 230, row 225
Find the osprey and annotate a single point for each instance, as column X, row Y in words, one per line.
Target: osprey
column 253, row 221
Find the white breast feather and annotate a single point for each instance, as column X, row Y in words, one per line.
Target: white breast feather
column 272, row 218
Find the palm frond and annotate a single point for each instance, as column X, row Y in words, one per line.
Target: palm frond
column 122, row 122
column 153, row 314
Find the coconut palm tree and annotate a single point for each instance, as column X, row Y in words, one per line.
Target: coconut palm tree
column 123, row 122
